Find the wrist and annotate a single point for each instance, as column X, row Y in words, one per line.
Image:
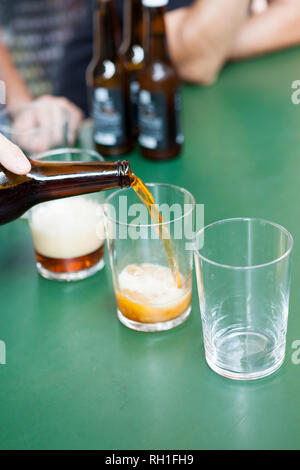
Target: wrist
column 18, row 99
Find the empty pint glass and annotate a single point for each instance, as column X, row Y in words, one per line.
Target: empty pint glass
column 243, row 273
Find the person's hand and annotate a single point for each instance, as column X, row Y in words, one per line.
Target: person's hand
column 43, row 124
column 12, row 158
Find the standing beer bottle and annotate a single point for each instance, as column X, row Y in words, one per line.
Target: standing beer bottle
column 132, row 52
column 51, row 180
column 110, row 84
column 159, row 100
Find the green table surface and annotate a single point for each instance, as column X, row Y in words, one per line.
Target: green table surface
column 76, row 378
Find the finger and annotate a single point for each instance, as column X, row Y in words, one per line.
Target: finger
column 75, row 116
column 12, row 157
column 59, row 128
column 31, row 127
column 43, row 139
column 64, row 115
column 22, row 125
column 54, row 133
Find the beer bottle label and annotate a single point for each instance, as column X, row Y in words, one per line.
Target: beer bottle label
column 109, row 116
column 156, row 130
column 152, row 120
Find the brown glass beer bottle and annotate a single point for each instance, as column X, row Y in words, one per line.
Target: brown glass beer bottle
column 132, row 52
column 47, row 181
column 109, row 80
column 160, row 135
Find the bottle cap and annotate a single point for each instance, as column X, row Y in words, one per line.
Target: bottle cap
column 155, row 3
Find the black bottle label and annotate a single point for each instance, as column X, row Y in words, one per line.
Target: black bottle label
column 158, row 129
column 178, row 111
column 109, row 116
column 152, row 120
column 134, row 99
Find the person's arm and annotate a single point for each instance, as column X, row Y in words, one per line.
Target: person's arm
column 276, row 28
column 12, row 158
column 201, row 36
column 16, row 90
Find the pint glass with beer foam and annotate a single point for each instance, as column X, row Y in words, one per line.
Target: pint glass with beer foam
column 68, row 234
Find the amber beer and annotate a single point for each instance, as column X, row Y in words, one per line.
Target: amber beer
column 109, row 80
column 159, row 100
column 132, row 52
column 52, row 180
column 148, row 293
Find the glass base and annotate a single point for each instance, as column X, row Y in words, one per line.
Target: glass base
column 153, row 327
column 245, row 355
column 238, row 376
column 69, row 277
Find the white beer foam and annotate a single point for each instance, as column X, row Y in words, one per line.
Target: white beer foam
column 153, row 282
column 67, row 228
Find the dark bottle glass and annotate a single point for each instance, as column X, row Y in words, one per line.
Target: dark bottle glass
column 109, row 81
column 159, row 100
column 132, row 52
column 47, row 181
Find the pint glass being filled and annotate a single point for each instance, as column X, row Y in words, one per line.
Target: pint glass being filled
column 151, row 266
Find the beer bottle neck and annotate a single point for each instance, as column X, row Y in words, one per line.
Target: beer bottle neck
column 156, row 47
column 57, row 180
column 133, row 24
column 105, row 31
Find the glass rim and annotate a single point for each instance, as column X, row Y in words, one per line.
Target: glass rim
column 64, row 150
column 245, row 219
column 160, row 224
column 8, row 128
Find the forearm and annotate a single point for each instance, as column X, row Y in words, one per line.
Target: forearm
column 201, row 37
column 16, row 90
column 277, row 28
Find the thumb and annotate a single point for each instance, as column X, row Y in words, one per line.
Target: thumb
column 12, row 157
